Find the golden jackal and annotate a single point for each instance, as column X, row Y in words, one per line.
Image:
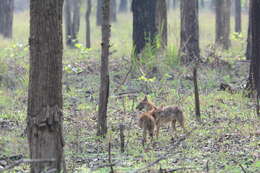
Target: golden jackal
column 163, row 115
column 168, row 114
column 147, row 123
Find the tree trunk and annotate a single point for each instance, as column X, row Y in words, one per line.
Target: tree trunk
column 254, row 76
column 99, row 12
column 104, row 87
column 161, row 22
column 123, row 6
column 223, row 23
column 202, row 3
column 113, row 11
column 6, row 18
column 144, row 27
column 238, row 16
column 88, row 12
column 189, row 47
column 174, row 4
column 72, row 21
column 45, row 115
column 249, row 35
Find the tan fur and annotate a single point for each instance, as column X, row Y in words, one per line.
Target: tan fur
column 148, row 124
column 163, row 115
column 146, row 104
column 169, row 114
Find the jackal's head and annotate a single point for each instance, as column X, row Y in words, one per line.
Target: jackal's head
column 143, row 104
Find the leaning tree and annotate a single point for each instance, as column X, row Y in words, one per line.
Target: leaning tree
column 45, row 115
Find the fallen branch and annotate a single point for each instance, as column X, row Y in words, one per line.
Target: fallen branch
column 243, row 169
column 18, row 162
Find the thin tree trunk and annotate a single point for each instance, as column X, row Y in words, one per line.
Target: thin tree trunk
column 45, row 115
column 88, row 12
column 6, row 18
column 99, row 12
column 68, row 21
column 223, row 23
column 123, row 6
column 174, row 4
column 238, row 16
column 196, row 94
column 161, row 22
column 189, row 47
column 254, row 76
column 202, row 3
column 249, row 35
column 113, row 11
column 72, row 21
column 75, row 21
column 104, row 87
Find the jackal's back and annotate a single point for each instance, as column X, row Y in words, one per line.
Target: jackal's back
column 168, row 114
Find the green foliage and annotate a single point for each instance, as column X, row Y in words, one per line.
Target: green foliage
column 172, row 58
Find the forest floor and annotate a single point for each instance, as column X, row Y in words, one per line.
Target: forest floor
column 227, row 139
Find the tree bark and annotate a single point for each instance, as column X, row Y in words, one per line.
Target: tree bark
column 196, row 94
column 72, row 21
column 104, row 72
column 202, row 3
column 189, row 46
column 223, row 23
column 249, row 35
column 88, row 12
column 6, row 18
column 113, row 11
column 238, row 16
column 99, row 12
column 144, row 25
column 254, row 76
column 45, row 115
column 123, row 6
column 174, row 4
column 161, row 22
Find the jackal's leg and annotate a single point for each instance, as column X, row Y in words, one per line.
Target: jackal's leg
column 174, row 127
column 144, row 136
column 151, row 135
column 157, row 129
column 181, row 121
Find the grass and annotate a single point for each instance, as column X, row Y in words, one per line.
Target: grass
column 227, row 139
